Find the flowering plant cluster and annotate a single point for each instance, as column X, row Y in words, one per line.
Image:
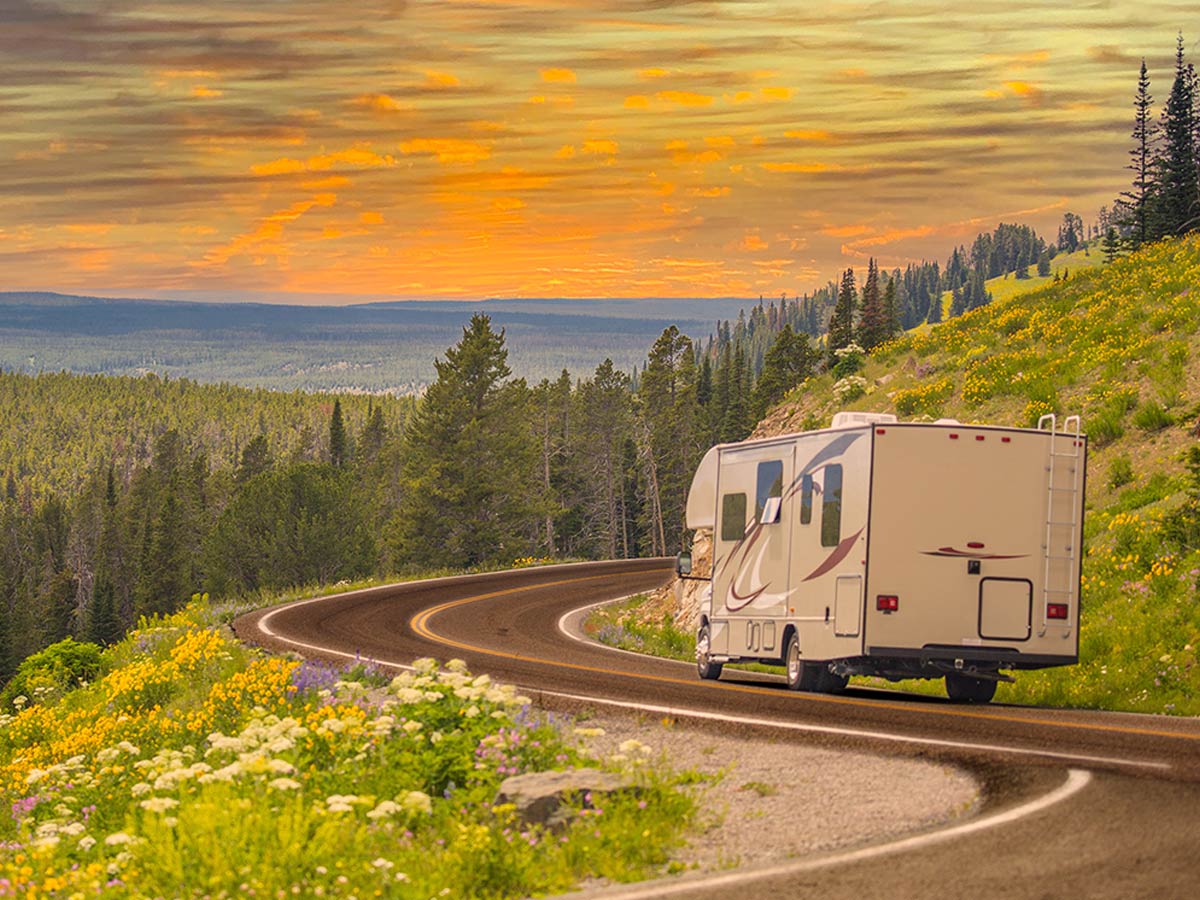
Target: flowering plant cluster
column 194, row 767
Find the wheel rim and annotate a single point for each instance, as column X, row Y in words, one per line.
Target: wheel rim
column 702, row 646
column 793, row 663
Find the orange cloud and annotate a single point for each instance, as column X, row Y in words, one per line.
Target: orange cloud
column 845, row 231
column 653, row 72
column 205, row 93
column 557, row 76
column 440, row 80
column 813, row 135
column 680, row 153
column 449, row 151
column 802, row 168
column 711, row 192
column 371, row 218
column 637, row 101
column 601, row 147
column 268, row 230
column 1030, row 93
column 753, row 242
column 684, row 98
column 380, row 103
column 777, row 93
column 566, row 151
column 358, row 157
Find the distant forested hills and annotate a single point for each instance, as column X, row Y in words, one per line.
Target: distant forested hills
column 373, row 347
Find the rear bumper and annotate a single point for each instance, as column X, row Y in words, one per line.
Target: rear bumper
column 997, row 657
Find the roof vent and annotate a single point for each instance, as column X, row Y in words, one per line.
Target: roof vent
column 857, row 419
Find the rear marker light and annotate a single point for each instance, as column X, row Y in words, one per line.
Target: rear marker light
column 1056, row 611
column 979, row 437
column 954, row 437
column 887, row 603
column 881, row 431
column 1006, row 440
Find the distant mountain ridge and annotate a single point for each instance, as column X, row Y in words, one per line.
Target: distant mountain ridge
column 382, row 347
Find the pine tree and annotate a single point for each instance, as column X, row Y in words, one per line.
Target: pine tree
column 472, row 491
column 1112, row 244
column 256, row 459
column 841, row 325
column 891, row 310
column 872, row 326
column 1177, row 204
column 337, row 436
column 789, row 361
column 670, row 437
column 1140, row 199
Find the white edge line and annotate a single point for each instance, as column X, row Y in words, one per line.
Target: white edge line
column 1076, row 781
column 708, row 716
column 583, row 639
column 684, row 713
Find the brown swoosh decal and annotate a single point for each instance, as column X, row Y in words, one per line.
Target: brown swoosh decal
column 744, row 601
column 966, row 554
column 839, row 553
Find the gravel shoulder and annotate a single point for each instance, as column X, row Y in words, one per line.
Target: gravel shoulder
column 765, row 801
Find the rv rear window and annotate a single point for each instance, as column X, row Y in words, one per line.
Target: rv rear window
column 806, row 492
column 831, row 507
column 733, row 517
column 770, row 487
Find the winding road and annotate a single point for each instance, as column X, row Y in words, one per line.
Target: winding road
column 1077, row 804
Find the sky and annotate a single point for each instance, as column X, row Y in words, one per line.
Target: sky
column 548, row 148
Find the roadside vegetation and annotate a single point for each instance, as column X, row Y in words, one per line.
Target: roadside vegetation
column 180, row 763
column 1116, row 344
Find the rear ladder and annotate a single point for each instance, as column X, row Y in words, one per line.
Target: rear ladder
column 1061, row 548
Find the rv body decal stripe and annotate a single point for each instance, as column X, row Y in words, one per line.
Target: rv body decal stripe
column 840, row 552
column 966, row 554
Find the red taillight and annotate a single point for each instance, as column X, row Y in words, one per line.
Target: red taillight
column 1056, row 611
column 887, row 603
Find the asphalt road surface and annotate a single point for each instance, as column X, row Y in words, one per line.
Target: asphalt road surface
column 1125, row 821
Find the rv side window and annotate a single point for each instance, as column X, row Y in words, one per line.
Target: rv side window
column 770, row 492
column 733, row 517
column 831, row 507
column 806, row 492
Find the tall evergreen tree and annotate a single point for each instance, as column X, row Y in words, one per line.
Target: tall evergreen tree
column 1177, row 203
column 1141, row 162
column 338, row 455
column 841, row 325
column 891, row 310
column 471, row 488
column 789, row 361
column 872, row 325
column 670, row 438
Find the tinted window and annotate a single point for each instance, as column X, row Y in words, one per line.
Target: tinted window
column 733, row 517
column 831, row 507
column 770, row 485
column 806, row 492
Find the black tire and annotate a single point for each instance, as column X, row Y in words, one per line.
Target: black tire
column 965, row 689
column 801, row 674
column 705, row 667
column 828, row 683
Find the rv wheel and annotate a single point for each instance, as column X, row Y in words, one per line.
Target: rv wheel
column 828, row 683
column 709, row 670
column 801, row 675
column 965, row 689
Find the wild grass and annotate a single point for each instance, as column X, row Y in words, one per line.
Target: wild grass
column 193, row 766
column 1112, row 343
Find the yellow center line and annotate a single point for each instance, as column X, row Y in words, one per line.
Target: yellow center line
column 420, row 625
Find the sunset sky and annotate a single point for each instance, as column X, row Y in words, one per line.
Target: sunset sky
column 535, row 148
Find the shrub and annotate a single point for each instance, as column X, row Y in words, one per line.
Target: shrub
column 1106, row 427
column 1120, row 473
column 1150, row 416
column 58, row 668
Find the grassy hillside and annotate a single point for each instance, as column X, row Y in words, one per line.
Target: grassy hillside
column 179, row 763
column 1116, row 344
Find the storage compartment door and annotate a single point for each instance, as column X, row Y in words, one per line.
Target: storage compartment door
column 847, row 614
column 1005, row 609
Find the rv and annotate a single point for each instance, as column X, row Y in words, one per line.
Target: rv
column 894, row 549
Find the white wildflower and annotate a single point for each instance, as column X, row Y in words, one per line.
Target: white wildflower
column 117, row 838
column 284, row 784
column 86, row 843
